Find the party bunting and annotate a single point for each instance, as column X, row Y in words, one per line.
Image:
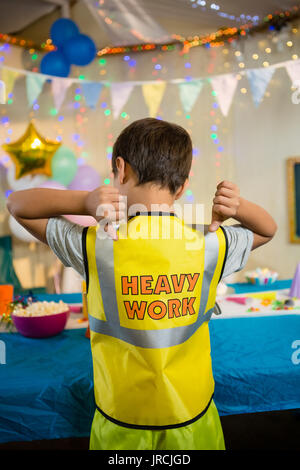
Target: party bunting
column 59, row 88
column 259, row 80
column 153, row 93
column 120, row 93
column 9, row 77
column 91, row 92
column 293, row 70
column 2, row 92
column 224, row 86
column 34, row 85
column 189, row 92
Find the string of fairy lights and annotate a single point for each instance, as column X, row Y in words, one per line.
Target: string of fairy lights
column 205, row 5
column 215, row 39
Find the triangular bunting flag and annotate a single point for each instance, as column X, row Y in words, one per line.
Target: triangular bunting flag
column 120, row 93
column 293, row 70
column 224, row 86
column 59, row 87
column 153, row 93
column 34, row 85
column 9, row 77
column 91, row 91
column 259, row 80
column 188, row 92
column 2, row 92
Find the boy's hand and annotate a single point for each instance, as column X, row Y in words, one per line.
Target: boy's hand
column 106, row 203
column 225, row 204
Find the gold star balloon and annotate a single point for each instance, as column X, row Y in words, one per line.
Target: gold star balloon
column 32, row 153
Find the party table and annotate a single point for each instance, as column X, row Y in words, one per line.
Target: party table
column 46, row 385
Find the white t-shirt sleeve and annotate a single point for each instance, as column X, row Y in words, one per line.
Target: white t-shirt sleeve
column 65, row 240
column 240, row 241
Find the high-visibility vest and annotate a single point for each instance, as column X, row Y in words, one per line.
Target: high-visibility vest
column 149, row 302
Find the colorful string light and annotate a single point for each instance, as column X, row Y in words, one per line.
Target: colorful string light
column 27, row 44
column 219, row 38
column 215, row 7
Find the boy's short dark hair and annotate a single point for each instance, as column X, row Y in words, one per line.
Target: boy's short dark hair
column 158, row 152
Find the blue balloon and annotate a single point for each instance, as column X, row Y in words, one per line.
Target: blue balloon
column 54, row 63
column 62, row 30
column 79, row 50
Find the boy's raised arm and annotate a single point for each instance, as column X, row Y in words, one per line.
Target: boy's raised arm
column 228, row 203
column 256, row 219
column 33, row 207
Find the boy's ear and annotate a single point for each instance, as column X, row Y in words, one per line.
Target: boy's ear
column 181, row 190
column 124, row 171
column 120, row 164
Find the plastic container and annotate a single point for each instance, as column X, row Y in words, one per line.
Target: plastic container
column 41, row 326
column 261, row 277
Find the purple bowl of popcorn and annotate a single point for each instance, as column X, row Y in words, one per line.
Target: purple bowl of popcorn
column 41, row 319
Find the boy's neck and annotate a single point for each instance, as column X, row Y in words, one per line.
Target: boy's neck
column 149, row 199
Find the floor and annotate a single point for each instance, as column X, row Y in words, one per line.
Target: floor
column 278, row 431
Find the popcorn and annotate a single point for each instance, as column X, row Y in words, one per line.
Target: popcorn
column 40, row 309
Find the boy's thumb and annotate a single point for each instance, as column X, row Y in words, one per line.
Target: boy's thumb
column 214, row 226
column 216, row 221
column 111, row 231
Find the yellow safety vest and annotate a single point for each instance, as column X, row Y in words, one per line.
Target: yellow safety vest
column 149, row 302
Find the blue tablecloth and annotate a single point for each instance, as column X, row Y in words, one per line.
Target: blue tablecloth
column 46, row 385
column 253, row 366
column 242, row 287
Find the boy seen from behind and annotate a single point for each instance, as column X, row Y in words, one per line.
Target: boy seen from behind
column 151, row 283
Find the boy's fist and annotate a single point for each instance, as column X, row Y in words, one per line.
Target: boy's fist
column 225, row 204
column 106, row 203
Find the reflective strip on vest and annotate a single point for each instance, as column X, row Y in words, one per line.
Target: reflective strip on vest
column 158, row 338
